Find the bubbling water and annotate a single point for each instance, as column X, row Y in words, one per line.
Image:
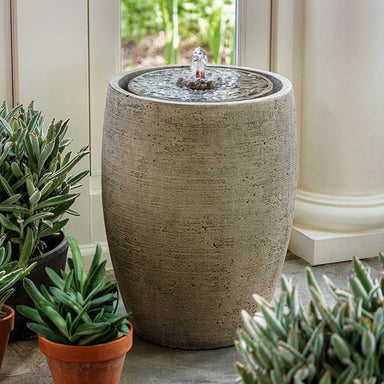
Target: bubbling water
column 236, row 84
column 201, row 83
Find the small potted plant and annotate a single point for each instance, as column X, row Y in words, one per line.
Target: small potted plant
column 323, row 343
column 36, row 190
column 77, row 322
column 9, row 276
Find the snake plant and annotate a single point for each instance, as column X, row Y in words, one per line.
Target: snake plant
column 9, row 274
column 36, row 187
column 323, row 343
column 80, row 308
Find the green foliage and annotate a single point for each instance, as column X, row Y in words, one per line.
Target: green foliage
column 342, row 343
column 217, row 29
column 209, row 23
column 80, row 308
column 36, row 187
column 170, row 13
column 9, row 274
column 139, row 19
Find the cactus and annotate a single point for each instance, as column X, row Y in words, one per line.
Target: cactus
column 80, row 308
column 36, row 188
column 340, row 343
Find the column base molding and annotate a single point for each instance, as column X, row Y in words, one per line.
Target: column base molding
column 320, row 247
column 339, row 213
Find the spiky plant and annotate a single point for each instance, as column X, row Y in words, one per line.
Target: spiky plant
column 36, row 187
column 80, row 308
column 9, row 275
column 323, row 343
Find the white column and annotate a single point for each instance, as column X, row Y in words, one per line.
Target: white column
column 340, row 201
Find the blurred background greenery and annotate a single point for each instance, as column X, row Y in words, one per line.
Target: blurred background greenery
column 156, row 32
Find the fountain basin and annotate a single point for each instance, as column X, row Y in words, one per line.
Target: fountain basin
column 198, row 202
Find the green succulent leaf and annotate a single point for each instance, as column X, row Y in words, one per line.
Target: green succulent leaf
column 10, row 274
column 57, row 200
column 27, row 248
column 78, row 264
column 55, row 278
column 35, row 197
column 5, row 125
column 6, row 223
column 66, row 314
column 11, row 200
column 47, row 333
column 4, row 155
column 35, row 186
column 7, row 188
column 54, row 229
column 30, row 313
column 321, row 343
column 368, row 343
column 362, row 275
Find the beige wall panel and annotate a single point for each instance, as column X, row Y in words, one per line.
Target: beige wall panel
column 51, row 67
column 97, row 217
column 104, row 62
column 5, row 52
column 287, row 50
column 254, row 27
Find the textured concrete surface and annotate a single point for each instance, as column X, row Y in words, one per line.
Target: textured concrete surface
column 198, row 204
column 148, row 363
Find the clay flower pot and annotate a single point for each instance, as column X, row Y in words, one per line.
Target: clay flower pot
column 6, row 326
column 92, row 364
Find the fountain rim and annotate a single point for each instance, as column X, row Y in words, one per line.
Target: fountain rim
column 286, row 88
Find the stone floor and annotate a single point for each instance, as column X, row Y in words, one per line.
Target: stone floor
column 147, row 363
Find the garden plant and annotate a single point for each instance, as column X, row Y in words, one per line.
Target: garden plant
column 9, row 275
column 36, row 185
column 79, row 329
column 208, row 23
column 80, row 308
column 322, row 343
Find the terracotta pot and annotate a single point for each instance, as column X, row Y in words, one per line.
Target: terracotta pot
column 56, row 259
column 6, row 326
column 93, row 364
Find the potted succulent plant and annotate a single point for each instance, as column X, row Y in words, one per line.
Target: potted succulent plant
column 9, row 276
column 36, row 190
column 79, row 329
column 321, row 344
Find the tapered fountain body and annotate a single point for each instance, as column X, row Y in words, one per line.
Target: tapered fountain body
column 198, row 203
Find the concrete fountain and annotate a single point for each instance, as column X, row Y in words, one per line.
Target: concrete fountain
column 199, row 181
